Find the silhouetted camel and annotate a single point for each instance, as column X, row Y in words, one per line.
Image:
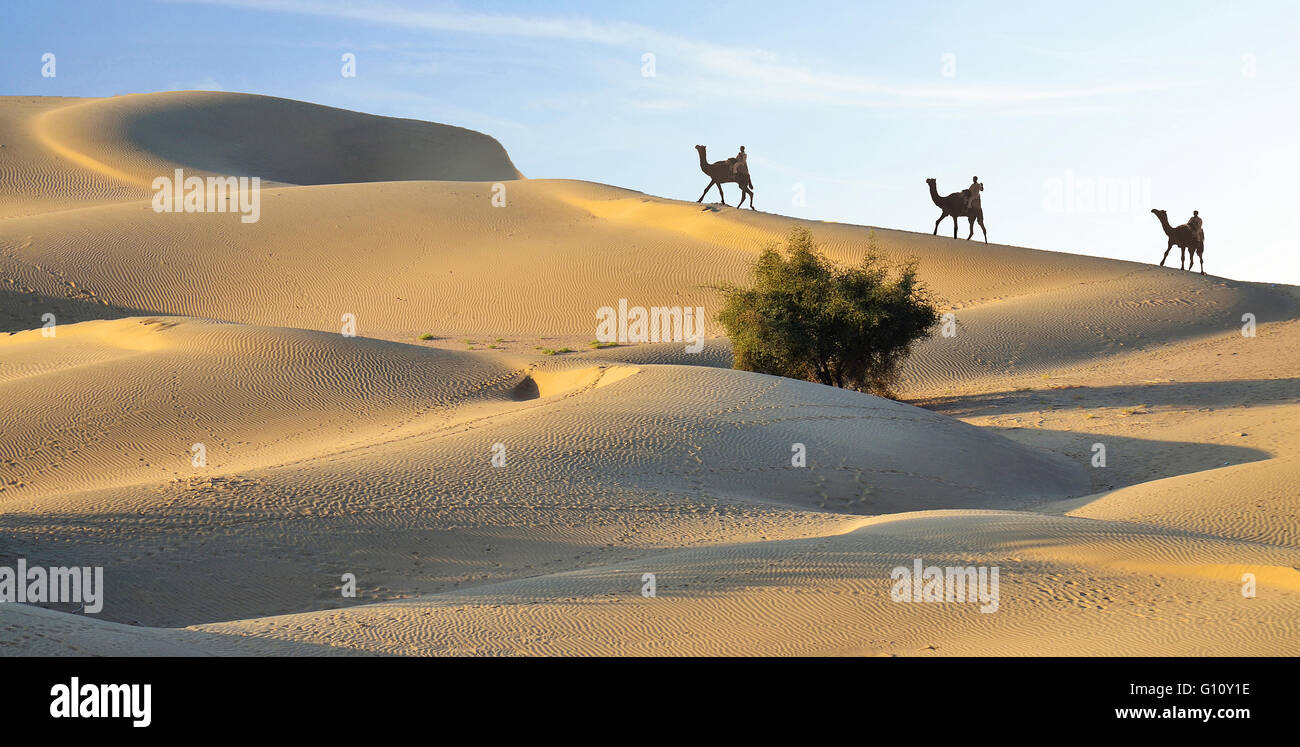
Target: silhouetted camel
column 1186, row 237
column 721, row 173
column 957, row 206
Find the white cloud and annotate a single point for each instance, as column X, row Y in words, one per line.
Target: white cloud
column 715, row 69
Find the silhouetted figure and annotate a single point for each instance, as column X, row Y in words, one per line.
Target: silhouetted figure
column 1187, row 238
column 1195, row 224
column 740, row 163
column 724, row 172
column 958, row 205
column 973, row 194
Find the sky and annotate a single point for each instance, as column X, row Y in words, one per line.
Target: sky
column 1078, row 119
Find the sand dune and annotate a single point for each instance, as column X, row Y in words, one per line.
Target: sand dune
column 127, row 399
column 1066, row 585
column 443, row 241
column 327, row 454
column 35, row 178
column 63, row 153
column 320, row 441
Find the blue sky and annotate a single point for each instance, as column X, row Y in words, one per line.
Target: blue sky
column 1175, row 105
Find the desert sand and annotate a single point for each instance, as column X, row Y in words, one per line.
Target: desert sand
column 329, row 454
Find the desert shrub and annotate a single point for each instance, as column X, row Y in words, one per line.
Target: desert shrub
column 806, row 317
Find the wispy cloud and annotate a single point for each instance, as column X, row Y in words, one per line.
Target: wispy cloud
column 709, row 68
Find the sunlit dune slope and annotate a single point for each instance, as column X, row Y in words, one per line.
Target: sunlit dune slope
column 106, row 403
column 408, row 258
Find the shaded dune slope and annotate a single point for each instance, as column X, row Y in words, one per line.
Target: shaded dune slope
column 64, row 152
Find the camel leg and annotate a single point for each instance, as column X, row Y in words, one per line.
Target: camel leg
column 1181, row 252
column 954, row 226
column 706, row 190
column 743, row 193
column 722, row 196
column 970, row 223
column 1201, row 254
column 936, row 223
column 982, row 228
column 1162, row 259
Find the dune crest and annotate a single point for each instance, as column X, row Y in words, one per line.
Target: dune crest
column 65, row 153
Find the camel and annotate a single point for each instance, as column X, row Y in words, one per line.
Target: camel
column 721, row 173
column 1187, row 238
column 957, row 206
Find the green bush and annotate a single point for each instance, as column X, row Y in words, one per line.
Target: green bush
column 807, row 318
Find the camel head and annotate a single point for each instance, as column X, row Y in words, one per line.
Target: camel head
column 700, row 148
column 1160, row 213
column 931, row 182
